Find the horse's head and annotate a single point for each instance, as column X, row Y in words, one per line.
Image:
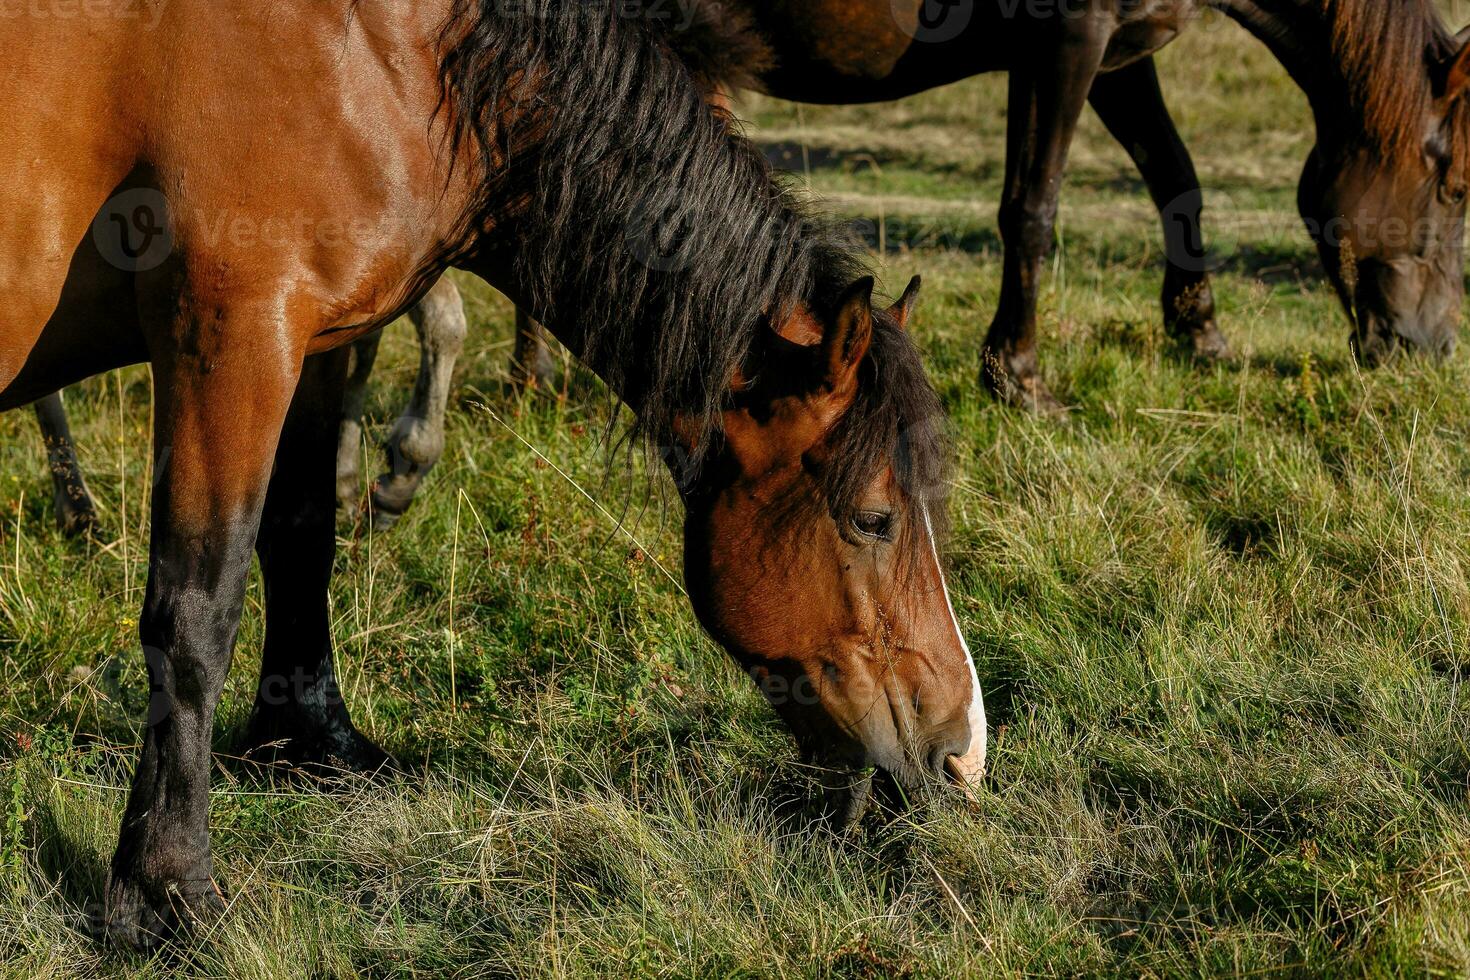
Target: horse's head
column 811, row 549
column 1388, row 215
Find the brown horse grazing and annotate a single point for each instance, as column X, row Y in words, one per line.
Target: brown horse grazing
column 240, row 194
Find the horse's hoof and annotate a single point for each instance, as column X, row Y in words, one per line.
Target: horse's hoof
column 354, row 753
column 1024, row 391
column 383, row 519
column 1013, row 379
column 1206, row 344
column 322, row 753
column 142, row 915
column 524, row 380
column 390, row 499
column 1035, row 397
column 79, row 524
column 385, row 512
column 76, row 515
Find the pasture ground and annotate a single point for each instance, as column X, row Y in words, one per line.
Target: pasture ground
column 1221, row 614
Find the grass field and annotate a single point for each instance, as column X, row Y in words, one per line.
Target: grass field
column 1222, row 618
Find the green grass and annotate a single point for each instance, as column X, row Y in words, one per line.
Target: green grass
column 1221, row 615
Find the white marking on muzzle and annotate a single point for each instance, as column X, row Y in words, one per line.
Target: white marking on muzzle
column 972, row 764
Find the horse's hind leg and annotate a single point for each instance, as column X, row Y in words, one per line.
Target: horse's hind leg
column 75, row 513
column 1131, row 105
column 364, row 354
column 299, row 714
column 531, row 365
column 417, row 439
column 219, row 420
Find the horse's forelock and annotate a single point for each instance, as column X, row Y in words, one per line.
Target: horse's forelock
column 896, row 422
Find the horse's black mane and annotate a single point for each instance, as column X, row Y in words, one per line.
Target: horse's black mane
column 650, row 229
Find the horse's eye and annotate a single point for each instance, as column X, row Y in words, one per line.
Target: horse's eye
column 1455, row 193
column 872, row 523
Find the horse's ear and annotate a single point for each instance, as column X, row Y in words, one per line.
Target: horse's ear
column 849, row 335
column 1454, row 78
column 903, row 310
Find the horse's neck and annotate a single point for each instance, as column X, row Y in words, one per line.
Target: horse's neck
column 1299, row 34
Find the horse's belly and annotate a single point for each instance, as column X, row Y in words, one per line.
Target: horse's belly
column 852, row 51
column 1145, row 31
column 94, row 328
column 1130, row 45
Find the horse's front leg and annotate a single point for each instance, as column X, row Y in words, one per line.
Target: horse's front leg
column 222, row 396
column 1046, row 98
column 417, row 439
column 1132, row 106
column 300, row 717
column 75, row 513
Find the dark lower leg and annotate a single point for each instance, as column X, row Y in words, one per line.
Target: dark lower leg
column 1131, row 104
column 75, row 512
column 218, row 428
column 299, row 714
column 162, row 872
column 1045, row 103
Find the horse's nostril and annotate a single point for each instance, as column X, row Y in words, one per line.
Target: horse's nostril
column 942, row 761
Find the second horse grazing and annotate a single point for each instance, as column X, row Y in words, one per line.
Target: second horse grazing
column 237, row 195
column 1382, row 194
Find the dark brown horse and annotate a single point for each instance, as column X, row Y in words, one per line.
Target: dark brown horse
column 1383, row 192
column 241, row 192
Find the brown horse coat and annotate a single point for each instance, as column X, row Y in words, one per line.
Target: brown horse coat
column 235, row 191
